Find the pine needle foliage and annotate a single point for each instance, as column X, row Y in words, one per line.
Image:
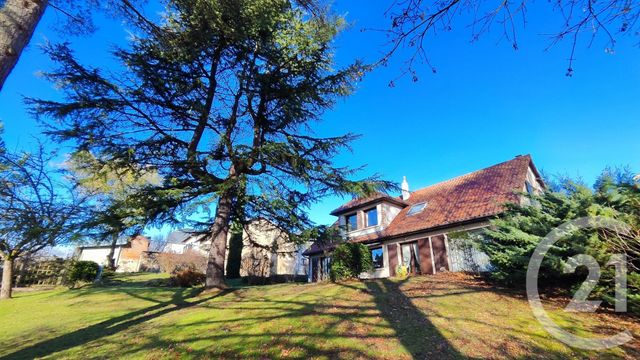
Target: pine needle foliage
column 512, row 238
column 220, row 99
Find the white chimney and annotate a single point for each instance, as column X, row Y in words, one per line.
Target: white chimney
column 405, row 189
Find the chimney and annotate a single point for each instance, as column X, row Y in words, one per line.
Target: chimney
column 405, row 189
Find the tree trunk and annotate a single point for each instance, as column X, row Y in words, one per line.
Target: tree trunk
column 219, row 231
column 7, row 276
column 234, row 259
column 111, row 261
column 18, row 21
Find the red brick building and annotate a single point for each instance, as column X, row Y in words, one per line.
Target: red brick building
column 127, row 256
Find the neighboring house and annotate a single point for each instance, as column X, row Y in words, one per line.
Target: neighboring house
column 127, row 256
column 182, row 240
column 266, row 251
column 421, row 230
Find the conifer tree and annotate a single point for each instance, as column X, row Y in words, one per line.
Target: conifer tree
column 220, row 99
column 512, row 239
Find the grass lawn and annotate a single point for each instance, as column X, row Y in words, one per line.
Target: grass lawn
column 444, row 316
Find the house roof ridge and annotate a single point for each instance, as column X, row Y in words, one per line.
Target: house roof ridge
column 459, row 177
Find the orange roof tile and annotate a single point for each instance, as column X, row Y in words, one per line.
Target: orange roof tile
column 476, row 195
column 469, row 197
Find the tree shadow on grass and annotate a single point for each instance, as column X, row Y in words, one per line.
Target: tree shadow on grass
column 178, row 301
column 417, row 333
column 360, row 320
column 234, row 335
column 282, row 338
column 414, row 330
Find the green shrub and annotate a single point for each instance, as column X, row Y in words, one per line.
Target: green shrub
column 349, row 260
column 187, row 278
column 107, row 274
column 82, row 271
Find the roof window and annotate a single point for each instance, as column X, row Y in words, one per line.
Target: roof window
column 417, row 208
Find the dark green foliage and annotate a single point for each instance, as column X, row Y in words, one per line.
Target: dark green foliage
column 107, row 274
column 219, row 99
column 349, row 260
column 235, row 255
column 187, row 278
column 82, row 271
column 511, row 240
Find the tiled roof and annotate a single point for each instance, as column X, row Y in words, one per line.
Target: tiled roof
column 367, row 200
column 474, row 196
column 318, row 247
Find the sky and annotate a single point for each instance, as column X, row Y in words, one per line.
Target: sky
column 485, row 104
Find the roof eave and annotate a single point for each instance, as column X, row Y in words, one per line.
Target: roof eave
column 410, row 233
column 339, row 211
column 537, row 173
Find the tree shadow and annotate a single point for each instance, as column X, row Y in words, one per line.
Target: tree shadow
column 285, row 310
column 235, row 336
column 414, row 330
column 374, row 319
column 178, row 301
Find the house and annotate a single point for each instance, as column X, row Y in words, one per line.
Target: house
column 266, row 252
column 127, row 256
column 423, row 230
column 180, row 241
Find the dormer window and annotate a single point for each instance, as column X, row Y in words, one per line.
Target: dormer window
column 417, row 208
column 352, row 222
column 371, row 217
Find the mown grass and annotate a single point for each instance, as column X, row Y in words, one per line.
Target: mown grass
column 445, row 316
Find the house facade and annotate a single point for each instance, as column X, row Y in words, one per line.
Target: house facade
column 425, row 231
column 180, row 241
column 266, row 252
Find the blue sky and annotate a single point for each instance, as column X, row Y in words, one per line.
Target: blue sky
column 486, row 103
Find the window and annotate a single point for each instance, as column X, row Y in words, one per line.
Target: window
column 376, row 255
column 411, row 257
column 416, row 208
column 352, row 222
column 530, row 188
column 532, row 193
column 372, row 217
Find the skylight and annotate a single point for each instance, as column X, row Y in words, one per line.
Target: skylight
column 416, row 208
